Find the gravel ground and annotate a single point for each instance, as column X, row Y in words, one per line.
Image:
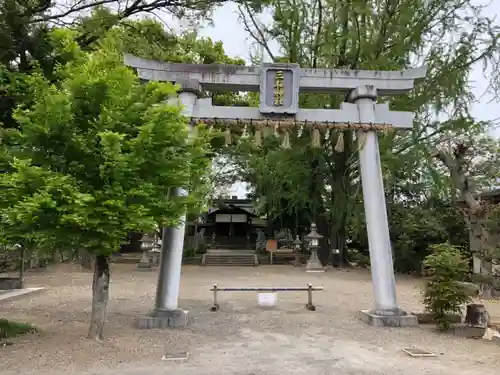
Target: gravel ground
column 239, row 339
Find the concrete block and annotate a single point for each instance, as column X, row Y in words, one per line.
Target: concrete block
column 10, row 283
column 144, row 263
column 470, row 332
column 10, row 294
column 402, row 320
column 477, row 315
column 142, row 267
column 163, row 319
column 190, row 85
column 426, row 318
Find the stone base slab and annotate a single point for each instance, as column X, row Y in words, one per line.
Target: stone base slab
column 163, row 319
column 10, row 294
column 470, row 332
column 408, row 320
column 144, row 268
column 10, row 283
column 426, row 318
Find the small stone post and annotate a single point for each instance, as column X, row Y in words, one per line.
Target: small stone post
column 147, row 243
column 310, row 305
column 215, row 306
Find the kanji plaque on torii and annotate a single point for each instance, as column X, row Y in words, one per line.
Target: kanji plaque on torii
column 279, row 86
column 279, row 91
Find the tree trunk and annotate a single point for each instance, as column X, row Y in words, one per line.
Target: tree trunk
column 54, row 257
column 333, row 244
column 317, row 211
column 475, row 216
column 344, row 258
column 85, row 259
column 21, row 266
column 341, row 194
column 324, row 250
column 100, row 296
column 61, row 255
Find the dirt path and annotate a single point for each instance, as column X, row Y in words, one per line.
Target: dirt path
column 239, row 339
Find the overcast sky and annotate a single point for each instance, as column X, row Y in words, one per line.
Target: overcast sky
column 228, row 29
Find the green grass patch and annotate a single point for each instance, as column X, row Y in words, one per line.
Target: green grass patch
column 10, row 329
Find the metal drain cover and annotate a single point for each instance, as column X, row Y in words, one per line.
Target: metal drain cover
column 416, row 352
column 179, row 356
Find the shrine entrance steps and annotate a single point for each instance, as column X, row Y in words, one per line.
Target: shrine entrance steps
column 229, row 257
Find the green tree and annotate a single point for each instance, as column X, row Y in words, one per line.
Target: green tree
column 148, row 39
column 95, row 158
column 473, row 166
column 449, row 36
column 26, row 46
column 145, row 38
column 23, row 23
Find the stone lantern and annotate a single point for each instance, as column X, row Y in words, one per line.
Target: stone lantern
column 313, row 264
column 147, row 244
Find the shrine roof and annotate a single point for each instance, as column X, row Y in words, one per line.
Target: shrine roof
column 231, row 208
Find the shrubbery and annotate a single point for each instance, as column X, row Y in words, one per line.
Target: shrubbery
column 11, row 329
column 359, row 258
column 444, row 294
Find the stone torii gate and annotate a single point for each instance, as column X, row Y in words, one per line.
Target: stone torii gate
column 279, row 86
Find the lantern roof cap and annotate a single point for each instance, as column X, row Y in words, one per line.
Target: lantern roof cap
column 147, row 238
column 297, row 240
column 313, row 234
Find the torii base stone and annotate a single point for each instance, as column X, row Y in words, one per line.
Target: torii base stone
column 402, row 319
column 161, row 319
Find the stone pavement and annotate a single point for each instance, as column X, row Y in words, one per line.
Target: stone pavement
column 239, row 339
column 266, row 353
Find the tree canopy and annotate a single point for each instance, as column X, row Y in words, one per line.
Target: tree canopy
column 90, row 154
column 450, row 37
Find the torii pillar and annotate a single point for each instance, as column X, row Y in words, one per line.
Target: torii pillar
column 167, row 313
column 386, row 311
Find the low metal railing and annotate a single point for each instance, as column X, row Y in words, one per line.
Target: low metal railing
column 309, row 289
